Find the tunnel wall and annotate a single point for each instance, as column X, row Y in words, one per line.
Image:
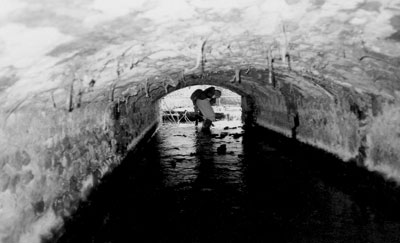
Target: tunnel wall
column 355, row 125
column 332, row 118
column 55, row 157
column 321, row 121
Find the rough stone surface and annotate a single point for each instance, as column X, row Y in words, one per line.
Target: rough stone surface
column 69, row 153
column 80, row 81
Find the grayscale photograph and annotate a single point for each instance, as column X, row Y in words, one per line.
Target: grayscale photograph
column 199, row 121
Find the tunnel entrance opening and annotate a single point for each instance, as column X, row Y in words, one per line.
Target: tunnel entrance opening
column 177, row 107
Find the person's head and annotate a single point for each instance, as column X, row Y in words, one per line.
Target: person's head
column 209, row 92
column 217, row 93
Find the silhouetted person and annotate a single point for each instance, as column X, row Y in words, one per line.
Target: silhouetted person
column 203, row 101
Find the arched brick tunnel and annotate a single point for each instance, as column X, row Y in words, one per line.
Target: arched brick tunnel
column 80, row 84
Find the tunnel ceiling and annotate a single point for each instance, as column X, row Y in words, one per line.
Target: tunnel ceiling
column 45, row 45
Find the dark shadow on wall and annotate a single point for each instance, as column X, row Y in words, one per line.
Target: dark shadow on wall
column 249, row 111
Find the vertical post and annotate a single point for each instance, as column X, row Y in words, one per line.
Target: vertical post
column 146, row 88
column 270, row 66
column 71, row 96
column 52, row 98
column 285, row 52
column 113, row 85
column 202, row 56
column 80, row 93
column 288, row 61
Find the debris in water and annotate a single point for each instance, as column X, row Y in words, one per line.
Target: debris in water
column 227, row 128
column 237, row 135
column 179, row 159
column 221, row 149
column 222, row 135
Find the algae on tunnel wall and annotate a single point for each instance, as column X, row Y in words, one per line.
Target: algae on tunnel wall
column 55, row 157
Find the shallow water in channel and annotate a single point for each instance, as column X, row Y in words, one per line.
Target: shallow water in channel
column 183, row 186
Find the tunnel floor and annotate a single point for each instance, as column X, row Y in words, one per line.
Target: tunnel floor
column 184, row 187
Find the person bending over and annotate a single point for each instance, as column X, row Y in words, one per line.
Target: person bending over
column 203, row 103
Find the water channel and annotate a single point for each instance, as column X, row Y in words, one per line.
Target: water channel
column 235, row 185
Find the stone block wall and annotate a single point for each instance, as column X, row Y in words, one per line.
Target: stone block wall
column 383, row 142
column 318, row 120
column 54, row 157
column 351, row 124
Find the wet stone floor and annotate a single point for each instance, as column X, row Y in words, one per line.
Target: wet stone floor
column 235, row 186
